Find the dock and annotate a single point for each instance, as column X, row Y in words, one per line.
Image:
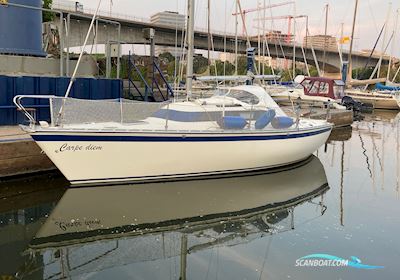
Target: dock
column 20, row 155
column 339, row 118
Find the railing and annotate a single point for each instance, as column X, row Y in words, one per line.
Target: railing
column 132, row 66
column 149, row 89
column 170, row 91
column 32, row 120
column 70, row 6
column 119, row 114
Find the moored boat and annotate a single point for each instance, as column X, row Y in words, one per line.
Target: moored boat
column 378, row 99
column 239, row 129
column 313, row 91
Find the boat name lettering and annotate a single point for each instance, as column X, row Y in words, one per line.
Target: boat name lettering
column 76, row 148
column 75, row 224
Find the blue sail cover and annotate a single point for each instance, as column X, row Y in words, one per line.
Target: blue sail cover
column 380, row 86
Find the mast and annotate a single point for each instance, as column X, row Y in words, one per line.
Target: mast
column 236, row 37
column 71, row 82
column 294, row 41
column 264, row 37
column 259, row 35
column 190, row 53
column 341, row 36
column 325, row 34
column 352, row 41
column 384, row 38
column 209, row 32
column 393, row 45
column 340, row 45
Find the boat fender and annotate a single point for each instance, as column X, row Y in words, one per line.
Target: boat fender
column 265, row 119
column 282, row 122
column 233, row 122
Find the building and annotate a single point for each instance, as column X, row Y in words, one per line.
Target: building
column 169, row 19
column 321, row 42
column 276, row 36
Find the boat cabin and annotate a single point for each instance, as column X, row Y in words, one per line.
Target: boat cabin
column 323, row 87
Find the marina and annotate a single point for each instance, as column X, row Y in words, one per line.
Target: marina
column 263, row 146
column 323, row 205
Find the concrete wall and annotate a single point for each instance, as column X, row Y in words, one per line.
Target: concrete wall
column 36, row 66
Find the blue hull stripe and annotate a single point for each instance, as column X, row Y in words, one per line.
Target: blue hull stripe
column 112, row 138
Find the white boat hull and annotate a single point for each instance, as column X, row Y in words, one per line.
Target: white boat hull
column 378, row 100
column 293, row 96
column 102, row 158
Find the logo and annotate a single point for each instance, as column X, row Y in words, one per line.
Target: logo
column 321, row 260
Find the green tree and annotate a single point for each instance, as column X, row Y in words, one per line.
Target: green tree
column 242, row 65
column 200, row 64
column 313, row 71
column 219, row 65
column 47, row 16
column 166, row 57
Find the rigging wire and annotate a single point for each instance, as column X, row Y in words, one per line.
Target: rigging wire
column 279, row 39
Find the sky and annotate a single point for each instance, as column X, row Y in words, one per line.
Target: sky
column 370, row 19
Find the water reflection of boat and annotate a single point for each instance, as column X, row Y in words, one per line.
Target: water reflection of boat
column 384, row 115
column 341, row 134
column 136, row 224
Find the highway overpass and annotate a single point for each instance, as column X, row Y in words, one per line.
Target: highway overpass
column 132, row 33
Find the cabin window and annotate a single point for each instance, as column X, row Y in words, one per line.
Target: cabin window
column 323, row 88
column 311, row 87
column 314, row 88
column 244, row 96
column 307, row 84
column 338, row 89
column 221, row 92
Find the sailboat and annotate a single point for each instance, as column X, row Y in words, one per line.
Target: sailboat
column 379, row 99
column 313, row 91
column 238, row 129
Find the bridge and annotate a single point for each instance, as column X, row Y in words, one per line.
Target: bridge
column 130, row 31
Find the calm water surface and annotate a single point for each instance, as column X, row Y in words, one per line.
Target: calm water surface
column 344, row 202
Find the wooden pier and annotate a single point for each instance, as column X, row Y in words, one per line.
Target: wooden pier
column 339, row 118
column 19, row 154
